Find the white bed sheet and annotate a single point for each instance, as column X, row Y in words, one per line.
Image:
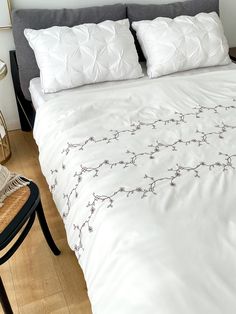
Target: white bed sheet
column 172, row 140
column 39, row 98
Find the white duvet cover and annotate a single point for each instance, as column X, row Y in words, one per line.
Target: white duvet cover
column 144, row 176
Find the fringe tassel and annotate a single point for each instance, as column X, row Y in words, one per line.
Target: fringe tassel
column 9, row 183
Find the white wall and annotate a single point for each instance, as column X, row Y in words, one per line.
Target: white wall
column 7, row 97
column 7, row 100
column 228, row 17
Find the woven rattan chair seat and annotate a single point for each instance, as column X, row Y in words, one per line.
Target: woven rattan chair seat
column 12, row 205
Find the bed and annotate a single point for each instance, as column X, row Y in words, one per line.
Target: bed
column 143, row 175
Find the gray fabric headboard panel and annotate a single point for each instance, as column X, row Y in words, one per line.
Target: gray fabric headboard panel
column 139, row 12
column 38, row 19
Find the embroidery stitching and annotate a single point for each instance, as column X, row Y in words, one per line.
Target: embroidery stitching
column 136, row 127
column 152, row 186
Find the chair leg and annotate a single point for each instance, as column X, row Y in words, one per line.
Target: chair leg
column 6, row 306
column 20, row 239
column 46, row 230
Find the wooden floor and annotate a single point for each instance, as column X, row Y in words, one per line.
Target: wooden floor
column 37, row 281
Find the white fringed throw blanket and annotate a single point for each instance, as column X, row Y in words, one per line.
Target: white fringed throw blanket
column 9, row 183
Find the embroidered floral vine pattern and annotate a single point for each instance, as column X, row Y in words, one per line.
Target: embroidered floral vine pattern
column 135, row 127
column 133, row 157
column 150, row 184
column 150, row 188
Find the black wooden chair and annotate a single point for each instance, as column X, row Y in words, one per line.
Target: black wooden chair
column 18, row 213
column 6, row 306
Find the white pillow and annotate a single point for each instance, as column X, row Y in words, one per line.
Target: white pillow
column 183, row 43
column 84, row 54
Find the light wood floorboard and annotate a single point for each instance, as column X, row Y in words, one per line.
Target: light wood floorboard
column 37, row 281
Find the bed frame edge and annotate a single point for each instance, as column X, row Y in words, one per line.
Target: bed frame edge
column 25, row 107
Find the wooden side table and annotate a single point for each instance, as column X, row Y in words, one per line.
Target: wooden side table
column 18, row 213
column 232, row 54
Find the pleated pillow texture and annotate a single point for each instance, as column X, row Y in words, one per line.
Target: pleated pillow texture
column 84, row 54
column 182, row 43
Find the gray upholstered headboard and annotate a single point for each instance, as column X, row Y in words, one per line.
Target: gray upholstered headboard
column 38, row 19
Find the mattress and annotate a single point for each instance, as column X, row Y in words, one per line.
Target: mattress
column 39, row 98
column 143, row 174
